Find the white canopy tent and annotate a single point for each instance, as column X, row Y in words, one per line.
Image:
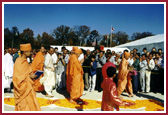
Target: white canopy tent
column 117, row 50
column 156, row 41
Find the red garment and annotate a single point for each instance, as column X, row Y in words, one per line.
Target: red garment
column 110, row 98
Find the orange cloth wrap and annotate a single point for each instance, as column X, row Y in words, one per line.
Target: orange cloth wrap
column 25, row 47
column 74, row 82
column 38, row 64
column 78, row 51
column 74, row 48
column 25, row 96
column 124, row 80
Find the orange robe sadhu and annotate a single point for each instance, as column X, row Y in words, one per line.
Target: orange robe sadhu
column 38, row 64
column 74, row 82
column 124, row 79
column 25, row 96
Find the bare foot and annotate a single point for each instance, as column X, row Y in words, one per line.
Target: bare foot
column 131, row 95
column 49, row 95
column 72, row 101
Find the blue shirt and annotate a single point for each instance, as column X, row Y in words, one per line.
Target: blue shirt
column 93, row 69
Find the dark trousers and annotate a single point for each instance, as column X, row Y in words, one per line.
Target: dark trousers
column 155, row 81
column 135, row 81
column 162, row 80
column 99, row 79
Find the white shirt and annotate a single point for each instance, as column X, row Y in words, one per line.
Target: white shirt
column 131, row 61
column 54, row 57
column 81, row 57
column 8, row 65
column 48, row 62
column 112, row 59
column 151, row 65
column 66, row 58
column 143, row 65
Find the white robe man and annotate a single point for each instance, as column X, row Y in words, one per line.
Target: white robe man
column 48, row 80
column 150, row 67
column 54, row 57
column 8, row 69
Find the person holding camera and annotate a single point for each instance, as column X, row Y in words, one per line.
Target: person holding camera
column 59, row 70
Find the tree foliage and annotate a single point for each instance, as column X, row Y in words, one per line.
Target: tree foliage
column 138, row 35
column 121, row 37
column 64, row 35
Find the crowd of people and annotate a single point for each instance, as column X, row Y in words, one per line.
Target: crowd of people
column 78, row 70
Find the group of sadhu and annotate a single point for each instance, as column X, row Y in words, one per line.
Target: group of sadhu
column 23, row 80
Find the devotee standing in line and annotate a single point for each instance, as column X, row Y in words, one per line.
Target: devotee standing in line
column 86, row 69
column 124, row 79
column 150, row 67
column 59, row 71
column 143, row 67
column 101, row 60
column 38, row 64
column 24, row 93
column 48, row 80
column 156, row 82
column 66, row 59
column 8, row 68
column 75, row 77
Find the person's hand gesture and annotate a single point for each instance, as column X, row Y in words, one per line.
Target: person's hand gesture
column 91, row 63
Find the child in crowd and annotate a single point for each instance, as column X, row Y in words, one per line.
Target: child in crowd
column 92, row 77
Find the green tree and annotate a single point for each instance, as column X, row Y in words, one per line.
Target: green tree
column 7, row 38
column 138, row 35
column 47, row 40
column 73, row 39
column 121, row 37
column 27, row 37
column 82, row 32
column 38, row 42
column 15, row 37
column 61, row 35
column 93, row 34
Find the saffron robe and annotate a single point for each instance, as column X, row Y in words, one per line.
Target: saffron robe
column 38, row 64
column 75, row 85
column 24, row 93
column 124, row 79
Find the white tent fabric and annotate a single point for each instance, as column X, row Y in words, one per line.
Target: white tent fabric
column 156, row 41
column 117, row 50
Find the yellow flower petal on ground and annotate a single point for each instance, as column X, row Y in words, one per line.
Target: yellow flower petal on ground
column 150, row 104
